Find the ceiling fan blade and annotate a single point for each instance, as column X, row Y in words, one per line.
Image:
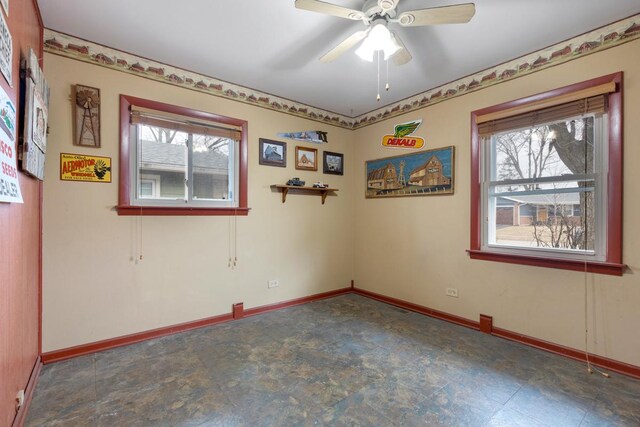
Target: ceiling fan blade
column 402, row 56
column 344, row 46
column 329, row 9
column 457, row 14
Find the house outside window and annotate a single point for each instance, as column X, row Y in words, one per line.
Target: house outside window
column 178, row 161
column 546, row 168
column 149, row 186
column 546, row 179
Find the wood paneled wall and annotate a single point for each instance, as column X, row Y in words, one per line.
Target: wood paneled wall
column 19, row 241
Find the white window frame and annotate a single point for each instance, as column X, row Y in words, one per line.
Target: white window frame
column 190, row 201
column 155, row 184
column 599, row 176
column 497, row 116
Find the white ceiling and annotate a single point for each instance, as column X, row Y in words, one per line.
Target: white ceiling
column 271, row 46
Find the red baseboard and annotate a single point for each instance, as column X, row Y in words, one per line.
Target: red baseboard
column 238, row 311
column 486, row 325
column 79, row 350
column 68, row 353
column 297, row 301
column 21, row 415
column 420, row 309
column 603, row 362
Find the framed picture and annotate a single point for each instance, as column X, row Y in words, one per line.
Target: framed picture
column 6, row 51
column 87, row 116
column 306, row 158
column 332, row 163
column 273, row 153
column 34, row 145
column 425, row 173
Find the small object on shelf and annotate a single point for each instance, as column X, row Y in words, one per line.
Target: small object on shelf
column 284, row 189
column 295, row 182
column 320, row 185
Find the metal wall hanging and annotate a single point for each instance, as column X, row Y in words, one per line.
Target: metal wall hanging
column 87, row 116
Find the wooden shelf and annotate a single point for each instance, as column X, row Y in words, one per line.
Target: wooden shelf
column 284, row 189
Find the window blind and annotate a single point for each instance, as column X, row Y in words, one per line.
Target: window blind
column 182, row 124
column 593, row 105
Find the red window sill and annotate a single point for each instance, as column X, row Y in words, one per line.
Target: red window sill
column 179, row 211
column 597, row 267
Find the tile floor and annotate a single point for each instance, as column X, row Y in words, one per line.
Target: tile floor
column 345, row 361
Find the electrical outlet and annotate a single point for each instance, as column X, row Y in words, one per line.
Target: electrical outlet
column 272, row 284
column 20, row 398
column 452, row 292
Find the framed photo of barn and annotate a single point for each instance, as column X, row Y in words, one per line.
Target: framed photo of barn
column 425, row 173
column 306, row 158
column 273, row 153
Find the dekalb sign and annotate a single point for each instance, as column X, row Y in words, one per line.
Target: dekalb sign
column 402, row 136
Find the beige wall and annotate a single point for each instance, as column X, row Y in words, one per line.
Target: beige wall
column 92, row 287
column 413, row 248
column 408, row 248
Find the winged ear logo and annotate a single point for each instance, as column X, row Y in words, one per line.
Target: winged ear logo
column 402, row 138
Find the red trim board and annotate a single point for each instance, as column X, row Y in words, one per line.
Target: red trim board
column 238, row 311
column 21, row 415
column 420, row 309
column 610, row 364
column 603, row 362
column 297, row 301
column 486, row 324
column 79, row 350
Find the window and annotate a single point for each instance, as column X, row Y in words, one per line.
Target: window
column 179, row 161
column 149, row 186
column 547, row 177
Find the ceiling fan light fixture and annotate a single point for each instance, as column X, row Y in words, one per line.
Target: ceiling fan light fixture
column 379, row 38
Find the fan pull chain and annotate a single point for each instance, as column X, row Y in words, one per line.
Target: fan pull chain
column 386, row 86
column 229, row 244
column 378, row 69
column 141, row 234
column 590, row 367
column 139, row 222
column 235, row 239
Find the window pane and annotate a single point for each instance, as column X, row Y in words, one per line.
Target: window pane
column 552, row 149
column 557, row 220
column 146, row 188
column 211, row 167
column 163, row 153
column 542, row 187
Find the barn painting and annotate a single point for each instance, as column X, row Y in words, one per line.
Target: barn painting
column 424, row 173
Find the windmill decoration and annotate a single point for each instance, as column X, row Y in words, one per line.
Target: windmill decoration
column 87, row 116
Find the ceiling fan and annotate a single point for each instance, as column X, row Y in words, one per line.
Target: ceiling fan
column 376, row 15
